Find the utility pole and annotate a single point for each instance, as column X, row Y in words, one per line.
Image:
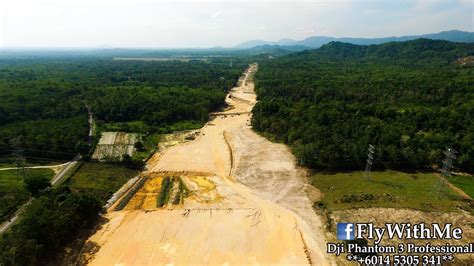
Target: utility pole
column 449, row 156
column 370, row 158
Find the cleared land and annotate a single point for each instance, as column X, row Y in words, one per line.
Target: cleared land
column 13, row 192
column 221, row 221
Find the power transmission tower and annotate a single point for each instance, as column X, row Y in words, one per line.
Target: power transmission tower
column 450, row 155
column 17, row 154
column 370, row 158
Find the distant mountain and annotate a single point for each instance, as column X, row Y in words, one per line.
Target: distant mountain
column 419, row 51
column 276, row 49
column 318, row 41
column 250, row 44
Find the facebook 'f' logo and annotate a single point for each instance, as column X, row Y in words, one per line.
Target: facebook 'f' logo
column 345, row 231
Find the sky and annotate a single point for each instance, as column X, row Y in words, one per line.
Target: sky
column 200, row 24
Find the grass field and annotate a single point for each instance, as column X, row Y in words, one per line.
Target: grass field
column 13, row 192
column 142, row 128
column 466, row 183
column 150, row 143
column 386, row 189
column 100, row 179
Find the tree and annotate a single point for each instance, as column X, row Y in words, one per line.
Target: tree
column 408, row 99
column 82, row 147
column 139, row 146
column 35, row 184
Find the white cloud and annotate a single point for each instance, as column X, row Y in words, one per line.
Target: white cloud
column 191, row 23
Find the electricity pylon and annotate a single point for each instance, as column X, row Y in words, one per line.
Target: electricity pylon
column 449, row 156
column 370, row 158
column 17, row 154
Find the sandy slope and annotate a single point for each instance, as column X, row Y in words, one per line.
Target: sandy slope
column 224, row 221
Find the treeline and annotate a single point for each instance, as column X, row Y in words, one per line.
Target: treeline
column 411, row 100
column 156, row 106
column 43, row 101
column 45, row 139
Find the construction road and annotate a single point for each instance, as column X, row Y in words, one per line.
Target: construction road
column 243, row 208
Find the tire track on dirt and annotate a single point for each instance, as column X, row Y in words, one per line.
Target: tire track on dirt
column 227, row 138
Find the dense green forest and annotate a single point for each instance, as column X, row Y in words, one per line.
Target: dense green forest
column 17, row 186
column 50, row 222
column 44, row 105
column 411, row 100
column 43, row 101
column 57, row 216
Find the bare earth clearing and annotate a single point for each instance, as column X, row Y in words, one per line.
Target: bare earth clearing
column 248, row 202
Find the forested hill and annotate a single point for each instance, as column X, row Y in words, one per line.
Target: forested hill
column 420, row 50
column 410, row 99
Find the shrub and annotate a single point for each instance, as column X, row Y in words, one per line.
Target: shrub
column 166, row 185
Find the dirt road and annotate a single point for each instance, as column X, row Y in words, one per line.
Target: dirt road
column 56, row 168
column 248, row 202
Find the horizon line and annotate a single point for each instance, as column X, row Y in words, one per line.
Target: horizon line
column 110, row 47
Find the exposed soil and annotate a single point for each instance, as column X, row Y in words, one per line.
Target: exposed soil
column 459, row 191
column 270, row 170
column 247, row 204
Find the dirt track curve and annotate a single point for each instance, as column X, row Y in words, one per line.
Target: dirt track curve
column 248, row 203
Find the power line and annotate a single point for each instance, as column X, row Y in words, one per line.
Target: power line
column 17, row 154
column 46, row 151
column 35, row 158
column 43, row 144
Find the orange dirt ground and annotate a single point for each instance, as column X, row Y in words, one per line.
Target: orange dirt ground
column 248, row 202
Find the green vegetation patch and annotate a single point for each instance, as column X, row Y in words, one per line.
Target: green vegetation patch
column 183, row 192
column 13, row 190
column 146, row 147
column 100, row 179
column 183, row 125
column 130, row 127
column 385, row 189
column 466, row 183
column 166, row 186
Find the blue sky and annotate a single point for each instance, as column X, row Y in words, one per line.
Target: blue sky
column 193, row 23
